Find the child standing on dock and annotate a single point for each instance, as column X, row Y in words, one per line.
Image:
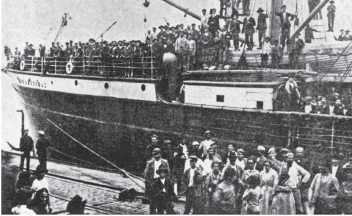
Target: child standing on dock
column 163, row 192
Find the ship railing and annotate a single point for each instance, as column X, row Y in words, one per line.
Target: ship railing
column 94, row 66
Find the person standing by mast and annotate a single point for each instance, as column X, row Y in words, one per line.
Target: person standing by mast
column 26, row 146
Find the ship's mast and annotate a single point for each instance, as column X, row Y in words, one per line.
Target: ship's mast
column 186, row 10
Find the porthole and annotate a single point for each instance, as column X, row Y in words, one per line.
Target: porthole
column 52, row 83
column 76, row 82
column 106, row 85
column 143, row 87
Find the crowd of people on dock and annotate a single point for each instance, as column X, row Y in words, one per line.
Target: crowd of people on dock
column 32, row 189
column 207, row 45
column 269, row 181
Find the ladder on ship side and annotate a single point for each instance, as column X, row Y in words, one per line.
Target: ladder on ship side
column 318, row 24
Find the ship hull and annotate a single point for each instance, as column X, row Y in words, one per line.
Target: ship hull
column 119, row 129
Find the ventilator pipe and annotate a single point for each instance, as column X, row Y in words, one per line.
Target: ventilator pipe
column 22, row 126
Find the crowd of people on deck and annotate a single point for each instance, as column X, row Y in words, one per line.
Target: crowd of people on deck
column 269, row 181
column 197, row 47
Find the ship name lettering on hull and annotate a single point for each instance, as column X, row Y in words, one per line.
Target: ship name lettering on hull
column 30, row 82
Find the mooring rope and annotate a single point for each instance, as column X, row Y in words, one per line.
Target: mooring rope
column 122, row 170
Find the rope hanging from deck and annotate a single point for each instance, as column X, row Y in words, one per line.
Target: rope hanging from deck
column 122, row 170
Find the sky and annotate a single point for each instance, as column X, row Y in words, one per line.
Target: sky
column 30, row 20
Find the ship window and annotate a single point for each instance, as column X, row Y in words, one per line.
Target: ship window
column 220, row 98
column 143, row 87
column 76, row 82
column 106, row 85
column 260, row 104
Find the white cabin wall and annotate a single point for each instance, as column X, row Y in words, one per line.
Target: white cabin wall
column 241, row 97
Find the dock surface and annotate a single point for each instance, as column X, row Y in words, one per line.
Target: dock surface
column 100, row 188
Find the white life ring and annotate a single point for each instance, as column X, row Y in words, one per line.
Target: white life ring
column 22, row 64
column 69, row 67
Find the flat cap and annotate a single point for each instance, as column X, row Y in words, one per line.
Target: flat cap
column 261, row 148
column 195, row 143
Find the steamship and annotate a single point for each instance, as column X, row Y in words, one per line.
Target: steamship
column 75, row 101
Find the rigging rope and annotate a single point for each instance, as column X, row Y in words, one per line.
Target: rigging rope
column 122, row 170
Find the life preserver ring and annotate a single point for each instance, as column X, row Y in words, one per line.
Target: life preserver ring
column 22, row 64
column 69, row 67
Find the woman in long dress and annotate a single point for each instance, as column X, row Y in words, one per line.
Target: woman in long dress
column 268, row 181
column 283, row 201
column 323, row 190
column 224, row 197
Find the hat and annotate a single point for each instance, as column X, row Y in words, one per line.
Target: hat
column 162, row 168
column 105, row 42
column 227, row 67
column 207, row 132
column 347, row 30
column 308, row 98
column 166, row 27
column 261, row 148
column 283, row 6
column 260, row 10
column 154, row 135
column 30, row 44
column 332, row 2
column 157, row 150
column 342, row 30
column 41, row 132
column 284, row 150
column 290, row 155
column 76, row 204
column 71, row 41
column 212, row 68
column 267, row 37
column 271, row 150
column 91, row 40
column 347, row 168
column 195, row 143
column 193, row 24
column 167, row 141
column 25, row 131
column 299, row 150
column 40, row 169
column 248, row 11
column 160, row 27
column 204, row 10
column 240, row 150
column 67, row 43
column 193, row 157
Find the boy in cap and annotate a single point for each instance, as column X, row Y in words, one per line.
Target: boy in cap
column 331, row 16
column 163, row 192
column 205, row 144
column 347, row 37
column 340, row 38
column 266, row 51
column 193, row 180
column 40, row 182
column 41, row 146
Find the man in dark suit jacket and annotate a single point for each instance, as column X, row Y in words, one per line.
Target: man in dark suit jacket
column 225, row 157
column 163, row 192
column 285, row 25
column 248, row 29
column 150, row 173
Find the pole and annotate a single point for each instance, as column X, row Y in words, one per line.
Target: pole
column 332, row 136
column 106, row 31
column 310, row 17
column 22, row 126
column 186, row 10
